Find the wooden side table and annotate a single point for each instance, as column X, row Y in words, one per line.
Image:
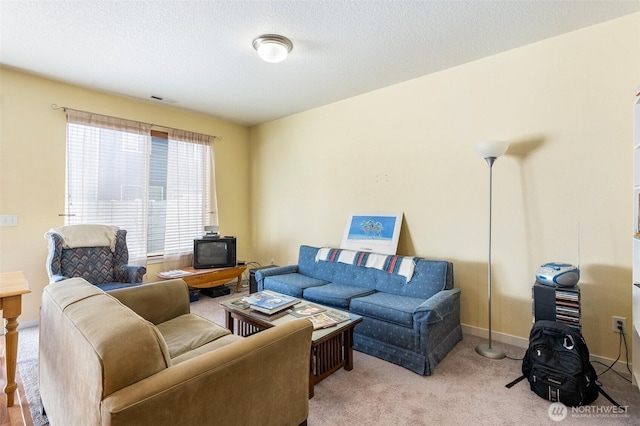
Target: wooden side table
column 12, row 286
column 206, row 278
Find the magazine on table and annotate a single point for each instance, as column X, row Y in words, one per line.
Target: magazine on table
column 306, row 310
column 328, row 318
column 269, row 303
column 176, row 273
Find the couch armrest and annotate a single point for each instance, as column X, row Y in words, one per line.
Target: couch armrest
column 130, row 273
column 262, row 379
column 269, row 272
column 156, row 302
column 438, row 306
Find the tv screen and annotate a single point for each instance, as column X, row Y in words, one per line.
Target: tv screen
column 214, row 253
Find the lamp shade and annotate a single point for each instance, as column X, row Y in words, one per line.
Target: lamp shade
column 492, row 149
column 272, row 47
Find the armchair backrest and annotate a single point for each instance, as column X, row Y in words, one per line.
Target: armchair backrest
column 98, row 265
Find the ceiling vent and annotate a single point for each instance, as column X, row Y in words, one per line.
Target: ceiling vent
column 161, row 99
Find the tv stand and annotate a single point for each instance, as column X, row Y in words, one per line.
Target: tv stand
column 206, row 278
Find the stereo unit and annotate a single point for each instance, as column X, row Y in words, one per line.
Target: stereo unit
column 558, row 274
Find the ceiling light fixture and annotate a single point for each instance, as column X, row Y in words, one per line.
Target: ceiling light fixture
column 272, row 47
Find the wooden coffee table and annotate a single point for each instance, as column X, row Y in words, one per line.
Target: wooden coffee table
column 331, row 348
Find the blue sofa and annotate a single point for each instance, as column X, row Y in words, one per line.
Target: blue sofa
column 410, row 321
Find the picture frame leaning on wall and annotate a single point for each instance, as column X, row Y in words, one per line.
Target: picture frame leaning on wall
column 375, row 232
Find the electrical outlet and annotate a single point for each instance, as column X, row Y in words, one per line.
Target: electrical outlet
column 615, row 321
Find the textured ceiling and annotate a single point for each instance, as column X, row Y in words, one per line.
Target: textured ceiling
column 199, row 53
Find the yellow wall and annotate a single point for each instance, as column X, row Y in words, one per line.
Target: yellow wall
column 32, row 167
column 564, row 104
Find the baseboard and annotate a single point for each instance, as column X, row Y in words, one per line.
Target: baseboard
column 28, row 324
column 498, row 337
column 620, row 367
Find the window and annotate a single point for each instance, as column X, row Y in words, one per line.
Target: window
column 156, row 185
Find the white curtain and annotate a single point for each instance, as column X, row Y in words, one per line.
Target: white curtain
column 160, row 189
column 190, row 202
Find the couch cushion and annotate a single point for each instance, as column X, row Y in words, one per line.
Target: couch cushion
column 338, row 295
column 188, row 332
column 206, row 348
column 291, row 284
column 429, row 276
column 386, row 307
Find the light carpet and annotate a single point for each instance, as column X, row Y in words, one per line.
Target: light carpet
column 465, row 388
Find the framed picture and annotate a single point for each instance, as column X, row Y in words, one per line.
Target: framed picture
column 372, row 232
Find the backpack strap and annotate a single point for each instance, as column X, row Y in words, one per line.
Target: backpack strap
column 611, row 400
column 515, row 382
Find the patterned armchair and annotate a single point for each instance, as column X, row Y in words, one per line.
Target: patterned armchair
column 103, row 266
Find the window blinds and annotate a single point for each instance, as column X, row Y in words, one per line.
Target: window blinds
column 155, row 185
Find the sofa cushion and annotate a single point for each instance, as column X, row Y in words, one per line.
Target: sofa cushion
column 387, row 307
column 291, row 284
column 429, row 277
column 200, row 332
column 206, row 348
column 338, row 295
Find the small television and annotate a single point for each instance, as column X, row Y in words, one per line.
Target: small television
column 219, row 252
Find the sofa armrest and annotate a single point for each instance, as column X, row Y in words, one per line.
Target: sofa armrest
column 130, row 273
column 269, row 272
column 156, row 302
column 438, row 306
column 262, row 379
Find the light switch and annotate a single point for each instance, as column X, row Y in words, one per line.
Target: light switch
column 9, row 220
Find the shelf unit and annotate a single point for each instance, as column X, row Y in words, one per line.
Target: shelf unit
column 635, row 288
column 559, row 304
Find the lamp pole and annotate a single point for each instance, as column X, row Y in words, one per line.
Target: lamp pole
column 491, row 151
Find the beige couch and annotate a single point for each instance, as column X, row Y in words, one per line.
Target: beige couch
column 136, row 356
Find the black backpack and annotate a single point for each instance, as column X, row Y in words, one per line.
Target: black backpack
column 557, row 365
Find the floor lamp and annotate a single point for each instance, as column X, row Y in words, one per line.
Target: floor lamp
column 490, row 151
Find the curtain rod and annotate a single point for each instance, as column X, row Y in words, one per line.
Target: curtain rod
column 64, row 108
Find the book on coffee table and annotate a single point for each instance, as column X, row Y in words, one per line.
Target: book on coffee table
column 270, row 303
column 268, row 317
